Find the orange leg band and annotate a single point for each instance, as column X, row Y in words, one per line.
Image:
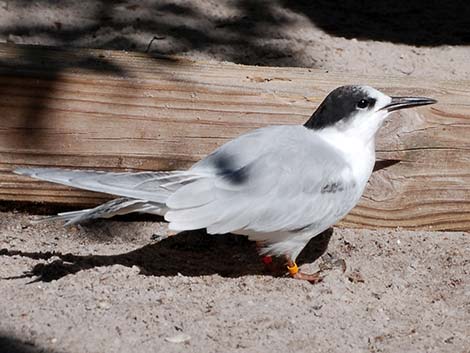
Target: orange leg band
column 293, row 270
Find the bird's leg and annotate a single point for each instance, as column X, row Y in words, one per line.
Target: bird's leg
column 266, row 259
column 295, row 273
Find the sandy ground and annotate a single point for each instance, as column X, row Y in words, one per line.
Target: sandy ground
column 123, row 286
column 419, row 38
column 116, row 286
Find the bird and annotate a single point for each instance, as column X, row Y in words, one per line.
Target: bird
column 280, row 186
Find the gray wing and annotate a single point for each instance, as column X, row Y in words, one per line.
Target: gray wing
column 150, row 186
column 142, row 191
column 276, row 179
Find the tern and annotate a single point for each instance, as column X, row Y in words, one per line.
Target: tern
column 278, row 185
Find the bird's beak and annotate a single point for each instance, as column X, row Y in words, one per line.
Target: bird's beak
column 407, row 102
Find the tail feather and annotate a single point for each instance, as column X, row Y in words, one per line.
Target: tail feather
column 67, row 217
column 107, row 210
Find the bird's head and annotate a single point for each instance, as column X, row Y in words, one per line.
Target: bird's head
column 359, row 110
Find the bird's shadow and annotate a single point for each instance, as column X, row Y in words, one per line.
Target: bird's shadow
column 188, row 253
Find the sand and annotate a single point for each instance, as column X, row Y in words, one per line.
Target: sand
column 115, row 286
column 124, row 286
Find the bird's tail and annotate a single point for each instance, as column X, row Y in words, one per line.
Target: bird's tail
column 144, row 192
column 109, row 209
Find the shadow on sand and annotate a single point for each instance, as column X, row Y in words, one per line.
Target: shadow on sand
column 188, row 253
column 10, row 344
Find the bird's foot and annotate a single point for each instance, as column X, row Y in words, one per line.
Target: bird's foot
column 295, row 273
column 293, row 269
column 310, row 277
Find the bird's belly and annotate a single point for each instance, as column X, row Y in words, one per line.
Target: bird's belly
column 291, row 242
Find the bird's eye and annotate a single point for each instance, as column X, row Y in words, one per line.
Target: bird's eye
column 363, row 103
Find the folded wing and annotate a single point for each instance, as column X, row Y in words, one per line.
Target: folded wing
column 284, row 181
column 150, row 186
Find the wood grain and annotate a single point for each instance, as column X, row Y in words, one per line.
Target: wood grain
column 114, row 110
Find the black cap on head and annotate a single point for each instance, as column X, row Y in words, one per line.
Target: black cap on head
column 340, row 104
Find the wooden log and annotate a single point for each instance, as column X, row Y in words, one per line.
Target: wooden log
column 113, row 110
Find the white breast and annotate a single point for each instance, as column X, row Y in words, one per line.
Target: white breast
column 359, row 154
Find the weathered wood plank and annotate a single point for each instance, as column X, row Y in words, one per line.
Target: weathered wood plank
column 116, row 110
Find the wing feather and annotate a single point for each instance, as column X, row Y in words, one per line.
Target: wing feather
column 140, row 185
column 283, row 190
